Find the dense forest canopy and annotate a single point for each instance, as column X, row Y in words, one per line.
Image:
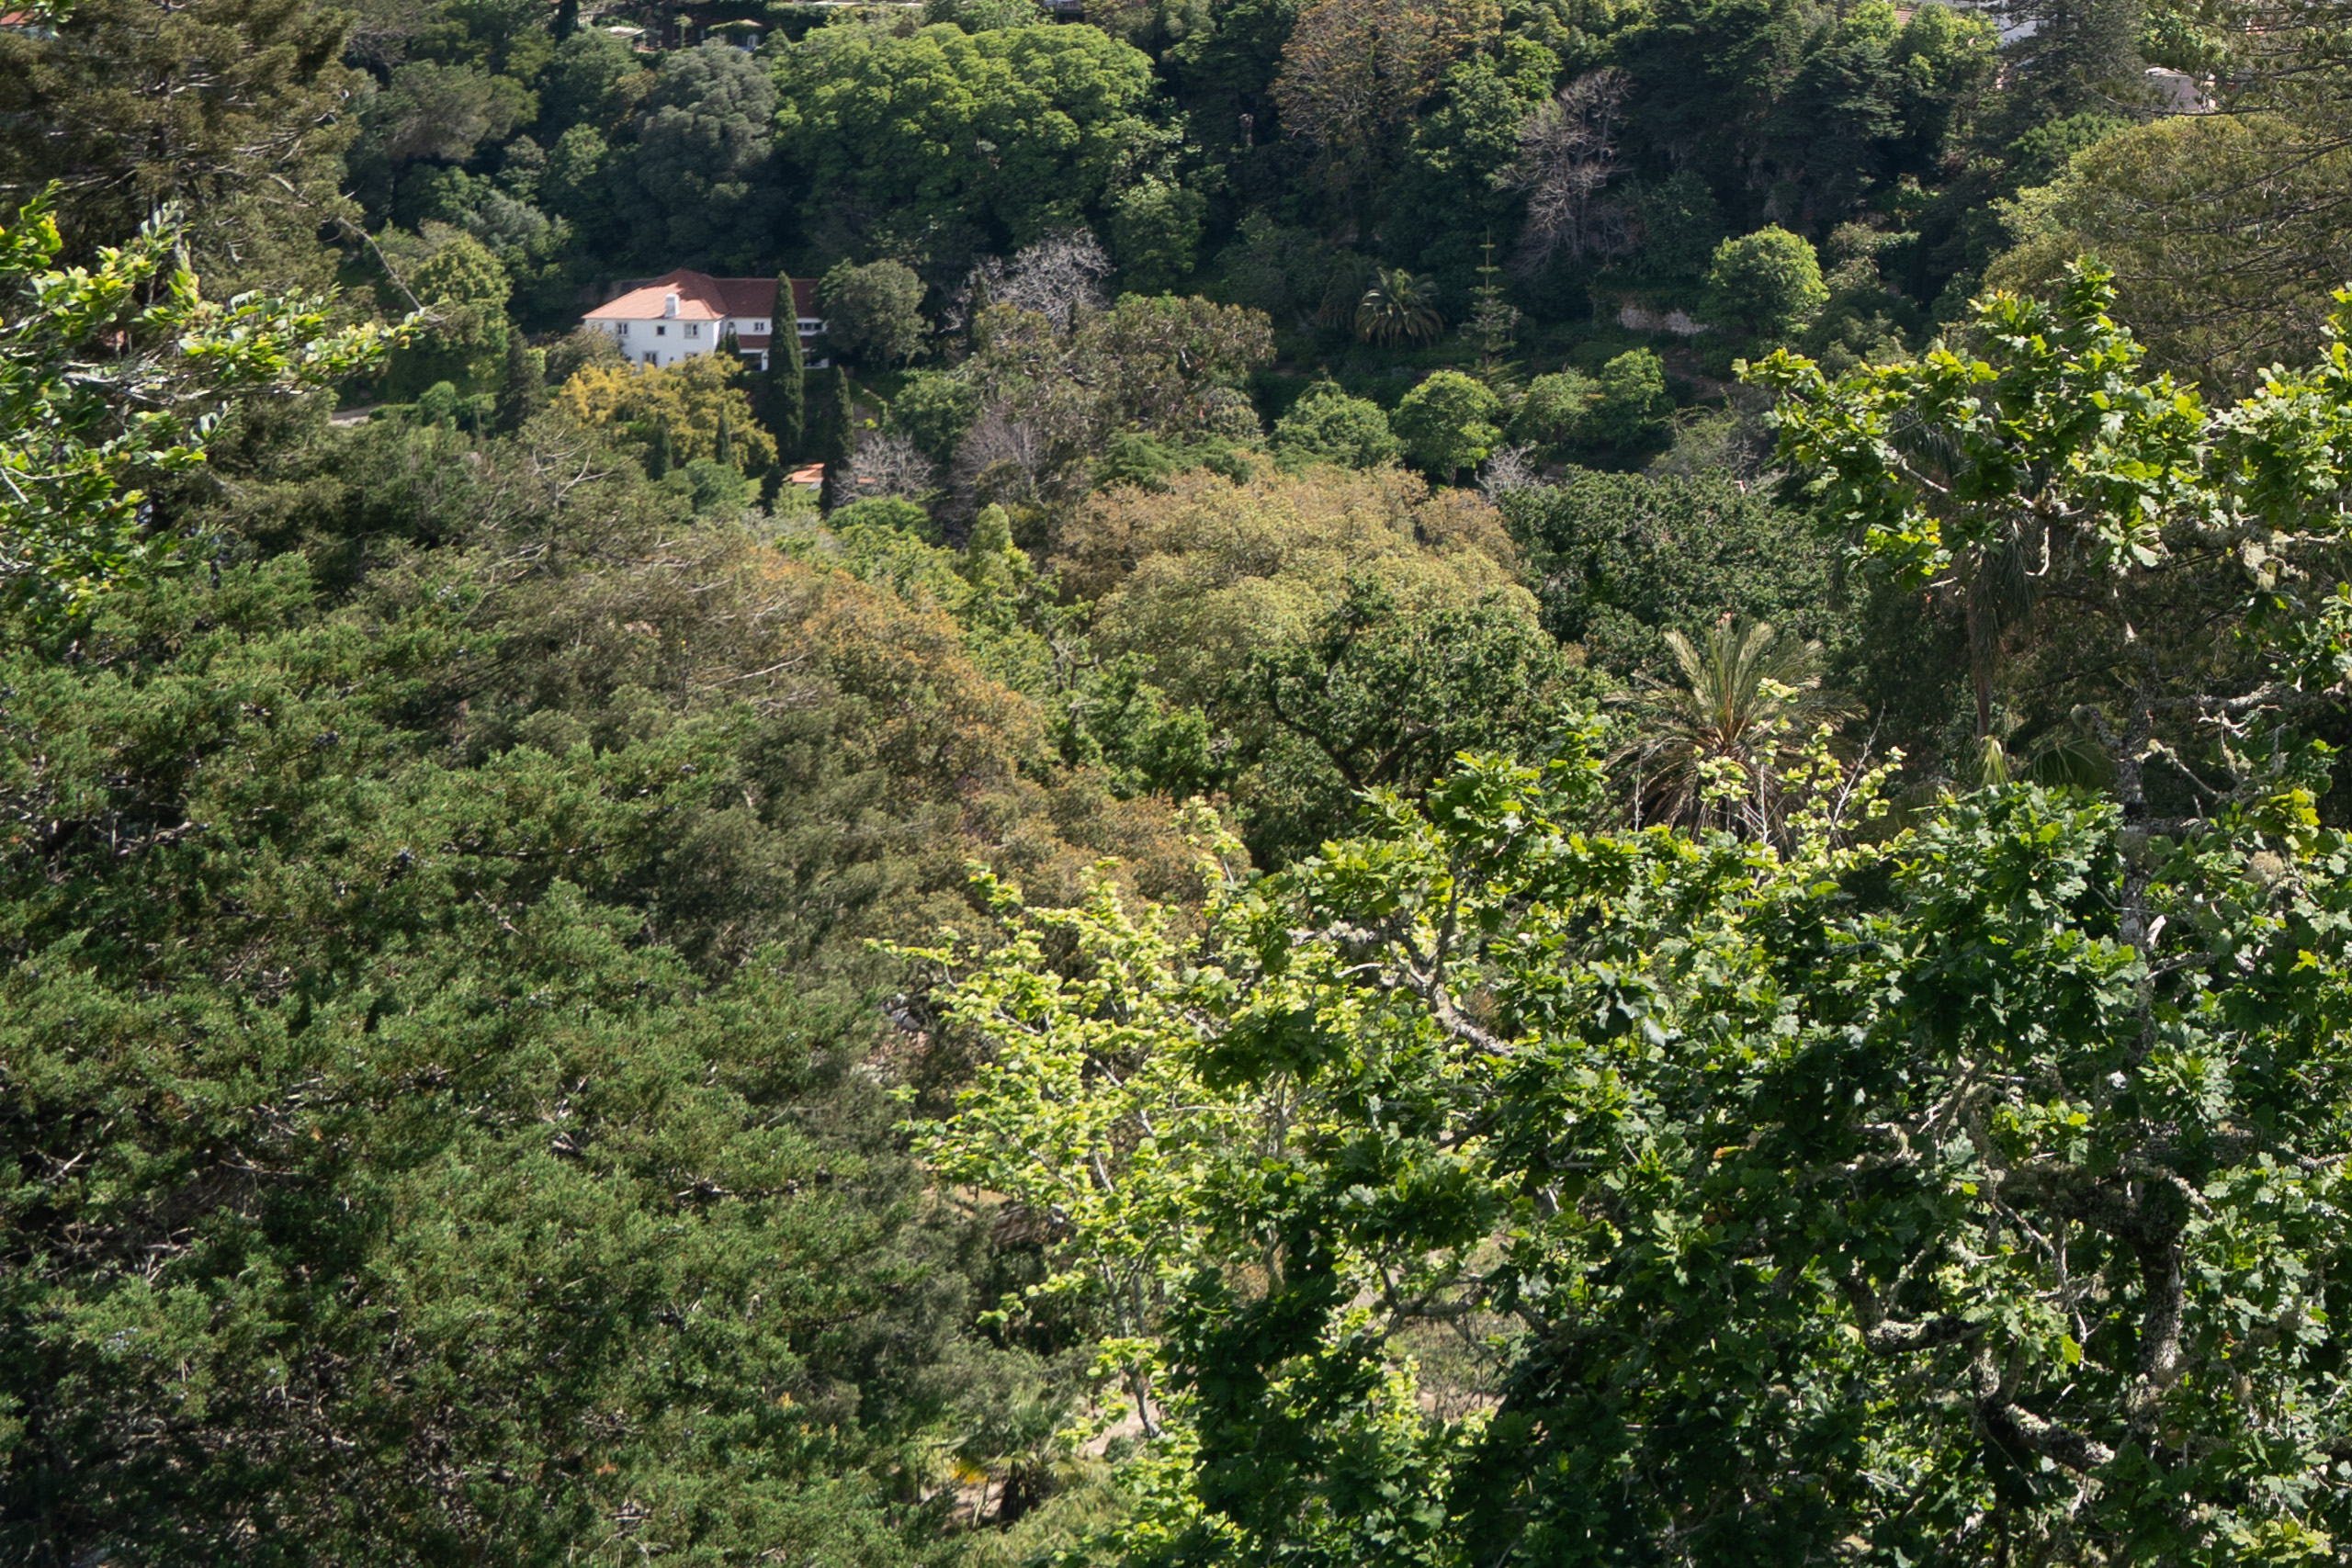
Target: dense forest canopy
column 1447, row 782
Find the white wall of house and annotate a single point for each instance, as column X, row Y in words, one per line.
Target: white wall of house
column 665, row 339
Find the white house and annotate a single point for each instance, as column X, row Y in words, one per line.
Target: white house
column 684, row 314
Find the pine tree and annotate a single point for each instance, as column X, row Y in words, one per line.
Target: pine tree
column 523, row 389
column 1493, row 320
column 786, row 404
column 658, row 455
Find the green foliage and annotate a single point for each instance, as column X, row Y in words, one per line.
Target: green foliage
column 830, row 437
column 462, row 333
column 1326, row 425
column 1666, row 1118
column 698, row 402
column 1171, row 365
column 1378, row 697
column 950, row 142
column 1155, row 230
column 2053, row 424
column 1210, row 573
column 1119, row 721
column 424, row 1156
column 583, row 70
column 1551, row 414
column 112, row 377
column 1857, row 319
column 873, row 313
column 888, row 512
column 2055, row 443
column 983, row 16
column 934, row 410
column 1445, row 202
column 449, row 1017
column 1399, row 308
column 1286, row 272
column 716, row 485
column 1446, row 423
column 2042, row 153
column 1632, row 410
column 1746, row 111
column 1617, row 561
column 1705, row 75
column 1768, row 283
column 1681, row 225
column 132, row 107
column 1131, row 457
column 430, row 113
column 706, row 191
column 783, row 391
column 1715, row 748
column 522, row 386
column 2175, row 208
column 1151, row 384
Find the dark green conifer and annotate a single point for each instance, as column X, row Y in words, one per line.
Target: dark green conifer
column 522, row 388
column 832, row 444
column 785, row 404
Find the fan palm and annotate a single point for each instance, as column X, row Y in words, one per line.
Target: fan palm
column 1744, row 708
column 1399, row 308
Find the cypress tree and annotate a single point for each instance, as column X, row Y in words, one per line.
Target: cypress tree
column 832, row 439
column 723, row 449
column 657, row 454
column 567, row 19
column 978, row 302
column 522, row 388
column 787, row 403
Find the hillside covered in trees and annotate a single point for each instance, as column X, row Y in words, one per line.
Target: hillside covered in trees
column 1449, row 784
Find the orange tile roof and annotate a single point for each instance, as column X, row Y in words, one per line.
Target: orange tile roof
column 702, row 297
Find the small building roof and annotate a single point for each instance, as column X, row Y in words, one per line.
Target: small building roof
column 812, row 476
column 702, row 297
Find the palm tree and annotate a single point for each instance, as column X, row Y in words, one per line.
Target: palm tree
column 1399, row 308
column 1744, row 710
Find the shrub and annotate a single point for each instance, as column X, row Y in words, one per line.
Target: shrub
column 1447, row 423
column 1767, row 282
column 1326, row 425
column 1633, row 407
column 873, row 313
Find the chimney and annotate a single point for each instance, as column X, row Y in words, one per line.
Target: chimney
column 669, row 304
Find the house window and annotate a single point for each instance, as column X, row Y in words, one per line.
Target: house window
column 693, row 329
column 759, row 326
column 651, row 357
column 620, row 329
column 661, row 332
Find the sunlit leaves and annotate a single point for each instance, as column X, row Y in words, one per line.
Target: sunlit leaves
column 113, row 375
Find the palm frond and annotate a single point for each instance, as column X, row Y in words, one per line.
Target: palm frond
column 1749, row 700
column 1399, row 308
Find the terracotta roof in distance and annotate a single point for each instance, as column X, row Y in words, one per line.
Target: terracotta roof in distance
column 702, row 297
